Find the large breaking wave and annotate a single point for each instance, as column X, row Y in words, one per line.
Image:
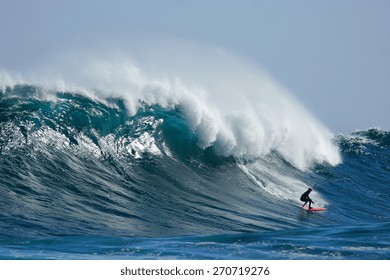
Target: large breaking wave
column 110, row 147
column 227, row 104
column 105, row 149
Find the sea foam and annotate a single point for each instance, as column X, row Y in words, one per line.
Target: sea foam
column 229, row 103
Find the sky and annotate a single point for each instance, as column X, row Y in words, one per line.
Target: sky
column 334, row 55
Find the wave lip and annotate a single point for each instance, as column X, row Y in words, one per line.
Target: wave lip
column 229, row 105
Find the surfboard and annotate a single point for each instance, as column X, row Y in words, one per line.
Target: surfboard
column 314, row 208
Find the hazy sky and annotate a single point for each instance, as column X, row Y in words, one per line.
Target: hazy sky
column 333, row 55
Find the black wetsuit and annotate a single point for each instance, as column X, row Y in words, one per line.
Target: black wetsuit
column 305, row 198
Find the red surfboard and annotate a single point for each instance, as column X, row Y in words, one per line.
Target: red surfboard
column 314, row 208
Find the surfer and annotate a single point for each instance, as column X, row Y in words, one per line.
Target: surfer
column 305, row 197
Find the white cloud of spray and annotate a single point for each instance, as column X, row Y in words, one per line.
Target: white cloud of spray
column 228, row 102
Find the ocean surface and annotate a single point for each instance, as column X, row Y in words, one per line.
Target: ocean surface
column 86, row 175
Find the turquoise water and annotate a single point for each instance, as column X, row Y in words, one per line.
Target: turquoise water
column 82, row 178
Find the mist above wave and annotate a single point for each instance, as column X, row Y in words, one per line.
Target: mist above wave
column 229, row 104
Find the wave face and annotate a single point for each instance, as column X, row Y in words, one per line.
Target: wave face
column 76, row 164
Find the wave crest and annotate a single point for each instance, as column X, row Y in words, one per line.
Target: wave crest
column 229, row 105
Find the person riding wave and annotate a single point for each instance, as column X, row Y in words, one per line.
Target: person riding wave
column 305, row 197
